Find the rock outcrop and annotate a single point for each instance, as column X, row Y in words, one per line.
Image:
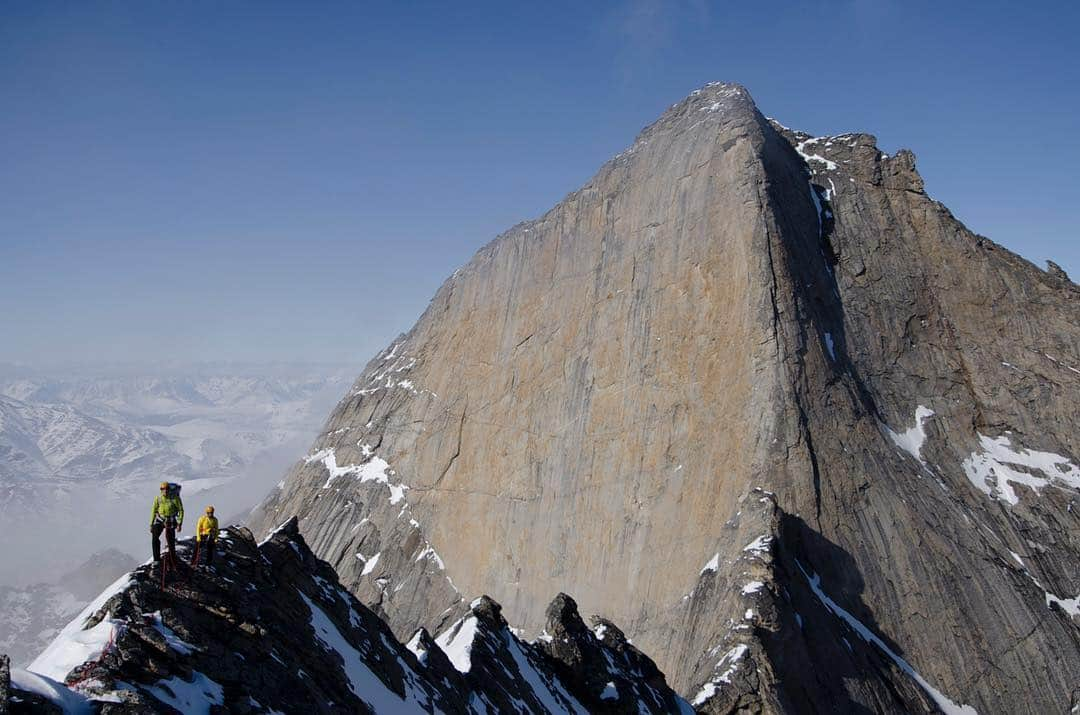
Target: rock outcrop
column 268, row 628
column 755, row 396
column 5, row 682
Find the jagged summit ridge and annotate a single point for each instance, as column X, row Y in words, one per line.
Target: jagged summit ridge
column 734, row 334
column 716, row 101
column 270, row 629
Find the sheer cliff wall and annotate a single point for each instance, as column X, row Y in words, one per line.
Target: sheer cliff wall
column 741, row 375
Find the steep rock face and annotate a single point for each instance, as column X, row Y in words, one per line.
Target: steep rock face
column 268, row 628
column 595, row 366
column 755, row 396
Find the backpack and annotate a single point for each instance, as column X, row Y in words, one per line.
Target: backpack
column 173, row 490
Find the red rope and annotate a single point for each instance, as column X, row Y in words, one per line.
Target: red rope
column 109, row 647
column 168, row 564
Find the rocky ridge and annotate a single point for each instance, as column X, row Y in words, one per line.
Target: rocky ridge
column 268, row 628
column 757, row 397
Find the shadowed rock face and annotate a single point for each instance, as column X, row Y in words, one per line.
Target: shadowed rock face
column 753, row 395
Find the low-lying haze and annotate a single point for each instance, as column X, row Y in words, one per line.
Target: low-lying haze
column 83, row 450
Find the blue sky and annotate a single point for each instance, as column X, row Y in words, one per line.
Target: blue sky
column 292, row 181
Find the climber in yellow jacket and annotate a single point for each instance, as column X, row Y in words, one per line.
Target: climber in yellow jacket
column 206, row 532
column 166, row 515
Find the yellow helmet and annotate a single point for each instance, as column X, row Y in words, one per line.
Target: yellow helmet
column 209, row 510
column 164, row 485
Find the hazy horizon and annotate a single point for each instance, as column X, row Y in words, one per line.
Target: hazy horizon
column 84, row 448
column 134, row 368
column 264, row 182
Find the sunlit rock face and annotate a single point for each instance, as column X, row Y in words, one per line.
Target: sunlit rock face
column 754, row 396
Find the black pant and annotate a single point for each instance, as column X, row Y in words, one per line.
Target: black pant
column 169, row 527
column 206, row 549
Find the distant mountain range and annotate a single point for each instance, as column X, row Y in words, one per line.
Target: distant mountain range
column 56, row 432
column 82, row 450
column 33, row 615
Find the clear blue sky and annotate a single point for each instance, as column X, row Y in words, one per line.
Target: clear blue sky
column 265, row 181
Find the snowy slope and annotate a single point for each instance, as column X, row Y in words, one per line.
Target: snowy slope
column 33, row 615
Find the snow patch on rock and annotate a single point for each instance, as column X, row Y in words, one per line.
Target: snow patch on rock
column 416, row 649
column 373, row 470
column 194, row 697
column 752, row 587
column 947, row 706
column 549, row 692
column 457, row 642
column 174, row 641
column 712, row 565
column 731, row 659
column 994, row 470
column 77, row 644
column 362, row 682
column 369, row 564
column 759, row 546
column 912, row 439
column 69, row 702
column 829, row 165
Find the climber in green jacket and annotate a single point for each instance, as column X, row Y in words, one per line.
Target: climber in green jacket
column 166, row 515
